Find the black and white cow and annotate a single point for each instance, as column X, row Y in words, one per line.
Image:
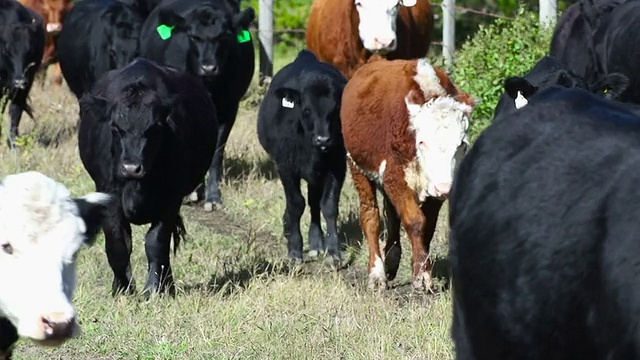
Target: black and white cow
column 209, row 39
column 299, row 127
column 98, row 36
column 544, row 233
column 22, row 40
column 42, row 228
column 147, row 135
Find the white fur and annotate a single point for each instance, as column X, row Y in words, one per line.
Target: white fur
column 377, row 275
column 521, row 101
column 377, row 27
column 440, row 128
column 428, row 80
column 41, row 223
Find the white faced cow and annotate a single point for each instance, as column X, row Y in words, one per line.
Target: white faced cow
column 41, row 230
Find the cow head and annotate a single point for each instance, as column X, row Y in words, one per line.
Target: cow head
column 17, row 53
column 315, row 99
column 139, row 120
column 54, row 13
column 211, row 33
column 122, row 35
column 377, row 25
column 41, row 231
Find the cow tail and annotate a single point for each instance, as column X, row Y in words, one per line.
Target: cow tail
column 179, row 233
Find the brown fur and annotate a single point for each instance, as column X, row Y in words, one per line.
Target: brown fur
column 375, row 125
column 52, row 11
column 332, row 33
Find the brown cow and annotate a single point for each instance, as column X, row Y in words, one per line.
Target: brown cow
column 53, row 12
column 404, row 124
column 345, row 33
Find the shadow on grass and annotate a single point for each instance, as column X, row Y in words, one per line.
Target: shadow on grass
column 239, row 168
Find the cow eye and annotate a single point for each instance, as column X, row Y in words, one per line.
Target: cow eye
column 306, row 112
column 7, row 248
column 358, row 4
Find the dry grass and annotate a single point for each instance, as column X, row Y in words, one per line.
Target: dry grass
column 236, row 297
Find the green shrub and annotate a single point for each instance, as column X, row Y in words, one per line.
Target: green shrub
column 497, row 51
column 288, row 15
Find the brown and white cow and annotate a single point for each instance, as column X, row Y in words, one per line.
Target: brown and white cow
column 53, row 12
column 405, row 130
column 346, row 33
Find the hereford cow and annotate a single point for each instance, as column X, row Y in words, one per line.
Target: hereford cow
column 345, row 33
column 53, row 12
column 98, row 36
column 21, row 47
column 299, row 126
column 405, row 129
column 544, row 233
column 43, row 228
column 209, row 39
column 147, row 135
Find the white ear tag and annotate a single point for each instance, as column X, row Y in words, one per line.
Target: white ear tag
column 286, row 103
column 409, row 3
column 521, row 101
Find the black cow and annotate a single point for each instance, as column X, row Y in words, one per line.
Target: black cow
column 147, row 134
column 544, row 216
column 572, row 41
column 616, row 42
column 97, row 36
column 548, row 72
column 22, row 39
column 299, row 126
column 207, row 38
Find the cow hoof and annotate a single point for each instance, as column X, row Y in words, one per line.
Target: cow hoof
column 209, row 206
column 334, row 261
column 377, row 282
column 422, row 282
column 314, row 254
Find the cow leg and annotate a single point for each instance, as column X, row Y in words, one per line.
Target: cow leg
column 8, row 337
column 415, row 224
column 330, row 202
column 157, row 246
column 392, row 249
column 430, row 208
column 213, row 196
column 370, row 223
column 117, row 241
column 292, row 214
column 18, row 104
column 315, row 229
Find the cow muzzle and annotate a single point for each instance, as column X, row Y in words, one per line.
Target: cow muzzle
column 323, row 142
column 20, row 83
column 54, row 28
column 55, row 329
column 441, row 190
column 132, row 171
column 208, row 70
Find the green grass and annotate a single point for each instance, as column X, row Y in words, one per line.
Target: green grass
column 236, row 297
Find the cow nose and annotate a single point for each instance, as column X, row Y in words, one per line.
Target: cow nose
column 208, row 69
column 321, row 140
column 20, row 83
column 134, row 171
column 385, row 43
column 442, row 189
column 57, row 326
column 54, row 27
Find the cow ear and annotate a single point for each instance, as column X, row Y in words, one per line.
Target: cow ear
column 612, row 86
column 92, row 208
column 169, row 18
column 244, row 18
column 93, row 106
column 288, row 96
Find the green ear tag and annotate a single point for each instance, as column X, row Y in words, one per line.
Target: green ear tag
column 244, row 36
column 164, row 31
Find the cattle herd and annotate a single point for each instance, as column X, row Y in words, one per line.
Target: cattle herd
column 542, row 207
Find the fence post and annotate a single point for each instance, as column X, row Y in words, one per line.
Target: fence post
column 547, row 13
column 448, row 32
column 265, row 35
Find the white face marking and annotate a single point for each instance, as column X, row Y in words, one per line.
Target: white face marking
column 41, row 231
column 520, row 101
column 377, row 27
column 440, row 128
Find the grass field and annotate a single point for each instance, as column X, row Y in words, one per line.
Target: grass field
column 236, row 297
